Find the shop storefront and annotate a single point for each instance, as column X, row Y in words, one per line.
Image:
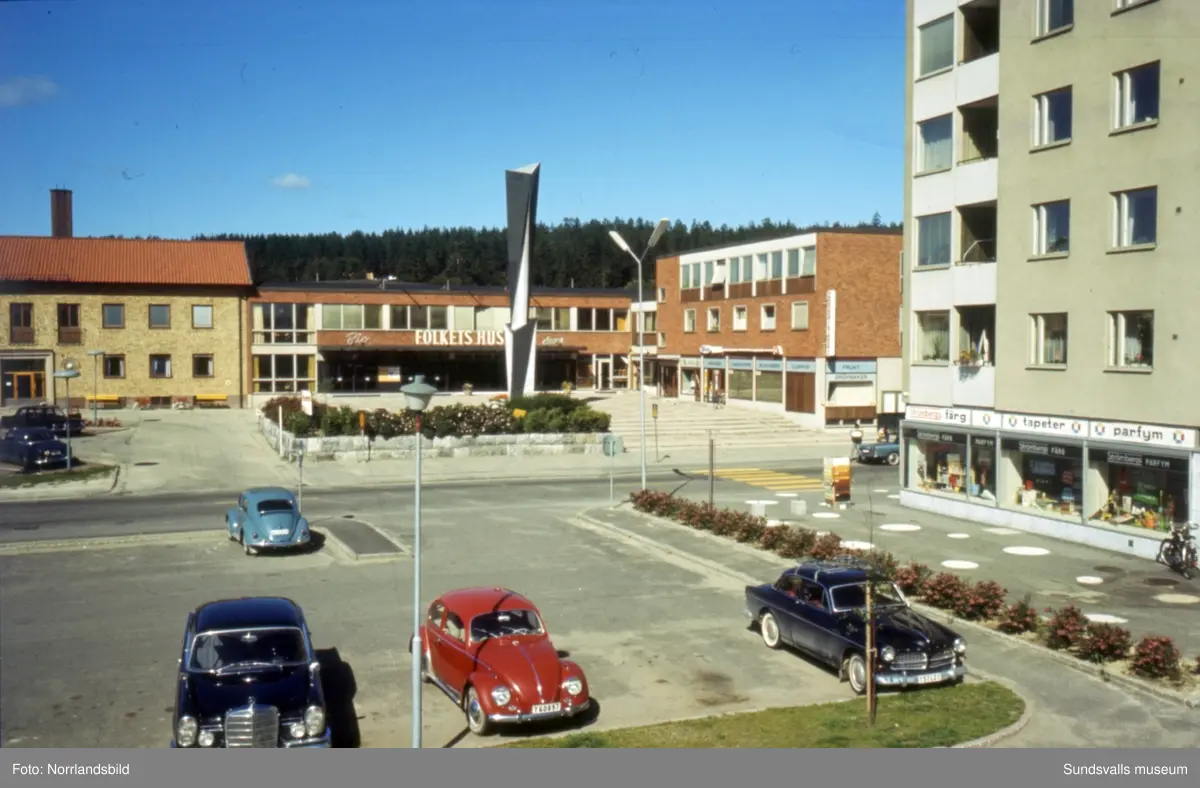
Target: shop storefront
column 768, row 380
column 690, row 373
column 741, row 379
column 1112, row 485
column 713, row 383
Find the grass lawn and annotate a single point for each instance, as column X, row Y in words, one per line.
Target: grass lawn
column 935, row 717
column 10, row 481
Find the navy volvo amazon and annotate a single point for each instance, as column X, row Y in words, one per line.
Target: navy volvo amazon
column 819, row 608
column 248, row 677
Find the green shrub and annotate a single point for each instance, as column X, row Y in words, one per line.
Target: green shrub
column 588, row 420
column 298, row 423
column 558, row 402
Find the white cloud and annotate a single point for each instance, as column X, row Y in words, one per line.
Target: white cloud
column 20, row 91
column 291, row 181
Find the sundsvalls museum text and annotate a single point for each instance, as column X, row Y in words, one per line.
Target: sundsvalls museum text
column 70, row 769
column 1121, row 769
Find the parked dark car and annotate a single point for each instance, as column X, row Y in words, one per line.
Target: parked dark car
column 819, row 609
column 249, row 677
column 878, row 452
column 32, row 449
column 43, row 416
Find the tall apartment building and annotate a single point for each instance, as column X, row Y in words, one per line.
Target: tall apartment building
column 1050, row 288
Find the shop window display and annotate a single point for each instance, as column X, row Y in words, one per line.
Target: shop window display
column 1140, row 490
column 1049, row 477
column 937, row 461
column 982, row 483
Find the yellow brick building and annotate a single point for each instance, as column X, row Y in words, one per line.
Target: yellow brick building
column 156, row 321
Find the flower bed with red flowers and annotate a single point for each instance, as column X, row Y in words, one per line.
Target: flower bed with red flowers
column 1066, row 630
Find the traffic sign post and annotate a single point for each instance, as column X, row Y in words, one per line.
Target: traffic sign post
column 300, row 465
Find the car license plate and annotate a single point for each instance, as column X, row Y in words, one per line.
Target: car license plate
column 931, row 678
column 547, row 708
column 280, row 532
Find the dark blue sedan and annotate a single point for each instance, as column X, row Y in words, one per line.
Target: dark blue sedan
column 32, row 449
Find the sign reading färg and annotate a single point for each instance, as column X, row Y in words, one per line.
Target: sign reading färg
column 461, row 338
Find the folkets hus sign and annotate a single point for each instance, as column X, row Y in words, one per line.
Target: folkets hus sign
column 461, row 338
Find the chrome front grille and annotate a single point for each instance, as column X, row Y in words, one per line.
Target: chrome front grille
column 252, row 726
column 942, row 659
column 910, row 660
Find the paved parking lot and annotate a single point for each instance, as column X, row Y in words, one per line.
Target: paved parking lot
column 89, row 637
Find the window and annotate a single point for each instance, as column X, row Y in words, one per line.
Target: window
column 767, row 318
column 739, row 318
column 936, row 461
column 662, row 295
column 685, row 280
column 603, row 320
column 114, row 366
column 808, row 261
column 427, row 318
column 735, row 270
column 1052, row 114
column 1052, row 227
column 202, row 366
column 357, row 317
column 283, row 324
column 160, row 316
column 763, row 268
column 113, row 315
column 933, row 336
column 747, row 269
column 1121, row 5
column 1135, row 215
column 933, row 240
column 1042, row 476
column 793, row 263
column 936, row 46
column 281, row 372
column 776, row 265
column 160, row 366
column 1048, row 339
column 585, row 319
column 689, row 321
column 799, row 315
column 1136, row 96
column 1131, row 340
column 69, row 332
column 935, row 139
column 1054, row 15
column 714, row 318
column 202, row 316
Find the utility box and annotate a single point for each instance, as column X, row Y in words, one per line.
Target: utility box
column 613, row 445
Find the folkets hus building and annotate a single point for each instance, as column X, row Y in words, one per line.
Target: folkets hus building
column 1051, row 294
column 372, row 335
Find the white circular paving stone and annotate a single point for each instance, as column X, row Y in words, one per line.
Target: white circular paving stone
column 826, row 515
column 959, row 536
column 956, row 564
column 901, row 528
column 894, row 496
column 1089, row 580
column 1002, row 531
column 1105, row 618
column 765, row 502
column 786, row 495
column 881, row 490
column 854, row 545
column 1178, row 599
column 1023, row 550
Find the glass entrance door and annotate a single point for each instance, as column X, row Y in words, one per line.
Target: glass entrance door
column 24, row 386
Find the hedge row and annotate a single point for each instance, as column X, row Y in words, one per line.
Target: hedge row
column 540, row 413
column 1066, row 629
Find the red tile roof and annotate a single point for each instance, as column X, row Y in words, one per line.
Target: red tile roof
column 120, row 261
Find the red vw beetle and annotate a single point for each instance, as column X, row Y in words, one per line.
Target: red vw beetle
column 488, row 650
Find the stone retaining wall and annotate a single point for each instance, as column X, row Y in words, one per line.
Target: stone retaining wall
column 355, row 446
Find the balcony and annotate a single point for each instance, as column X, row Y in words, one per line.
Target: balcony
column 980, row 30
column 931, row 385
column 976, row 181
column 975, row 387
column 20, row 336
column 70, row 335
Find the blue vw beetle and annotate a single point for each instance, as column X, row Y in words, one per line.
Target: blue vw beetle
column 267, row 518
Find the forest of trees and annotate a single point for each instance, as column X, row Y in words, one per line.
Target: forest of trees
column 569, row 254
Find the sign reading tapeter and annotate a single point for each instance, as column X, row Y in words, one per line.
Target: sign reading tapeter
column 450, row 338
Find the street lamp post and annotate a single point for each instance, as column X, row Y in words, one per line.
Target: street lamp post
column 65, row 374
column 417, row 396
column 657, row 235
column 95, row 354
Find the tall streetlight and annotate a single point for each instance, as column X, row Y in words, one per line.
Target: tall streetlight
column 657, row 235
column 95, row 354
column 417, row 396
column 69, row 370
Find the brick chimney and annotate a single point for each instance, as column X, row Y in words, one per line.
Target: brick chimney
column 61, row 221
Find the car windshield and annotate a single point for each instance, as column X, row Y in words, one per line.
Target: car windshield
column 274, row 506
column 31, row 436
column 851, row 597
column 230, row 650
column 505, row 623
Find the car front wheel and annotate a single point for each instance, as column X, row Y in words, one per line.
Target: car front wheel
column 770, row 630
column 477, row 721
column 856, row 673
column 893, row 459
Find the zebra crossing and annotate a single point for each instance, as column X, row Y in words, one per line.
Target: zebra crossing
column 775, row 481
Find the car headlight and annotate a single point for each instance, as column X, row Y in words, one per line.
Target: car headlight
column 502, row 695
column 297, row 730
column 887, row 653
column 573, row 686
column 314, row 720
column 185, row 731
column 960, row 646
column 207, row 738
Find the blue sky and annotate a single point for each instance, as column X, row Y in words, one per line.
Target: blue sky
column 176, row 119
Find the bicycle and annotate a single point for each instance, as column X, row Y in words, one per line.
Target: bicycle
column 1178, row 551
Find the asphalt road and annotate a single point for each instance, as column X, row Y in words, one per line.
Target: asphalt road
column 89, row 638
